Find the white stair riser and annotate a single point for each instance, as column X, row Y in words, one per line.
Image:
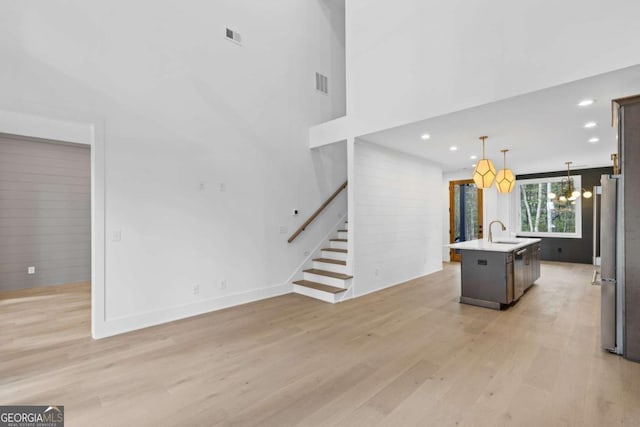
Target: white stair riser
column 341, row 256
column 336, row 268
column 315, row 293
column 338, row 245
column 326, row 280
column 343, row 235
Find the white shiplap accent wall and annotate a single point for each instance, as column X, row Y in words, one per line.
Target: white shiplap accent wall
column 397, row 221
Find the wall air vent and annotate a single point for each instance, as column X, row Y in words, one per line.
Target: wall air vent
column 233, row 36
column 322, row 83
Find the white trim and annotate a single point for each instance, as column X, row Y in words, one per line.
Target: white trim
column 137, row 321
column 577, row 179
column 89, row 132
column 402, row 282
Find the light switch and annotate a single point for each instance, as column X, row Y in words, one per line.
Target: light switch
column 116, row 236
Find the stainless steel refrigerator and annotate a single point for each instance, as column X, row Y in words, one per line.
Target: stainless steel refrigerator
column 612, row 264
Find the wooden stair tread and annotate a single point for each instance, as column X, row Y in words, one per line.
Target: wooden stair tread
column 343, row 251
column 319, row 286
column 328, row 273
column 338, row 240
column 331, row 261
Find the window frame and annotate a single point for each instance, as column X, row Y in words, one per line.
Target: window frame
column 577, row 184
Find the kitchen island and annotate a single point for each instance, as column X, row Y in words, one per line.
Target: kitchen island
column 496, row 274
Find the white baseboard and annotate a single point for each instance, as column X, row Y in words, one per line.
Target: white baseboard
column 120, row 325
column 398, row 283
column 152, row 318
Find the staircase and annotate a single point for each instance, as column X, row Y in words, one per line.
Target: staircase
column 328, row 279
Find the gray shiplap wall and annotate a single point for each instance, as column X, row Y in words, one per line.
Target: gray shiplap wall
column 45, row 213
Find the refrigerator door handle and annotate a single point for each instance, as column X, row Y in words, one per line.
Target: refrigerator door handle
column 608, row 236
column 608, row 315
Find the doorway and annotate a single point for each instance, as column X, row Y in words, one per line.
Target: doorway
column 79, row 129
column 45, row 206
column 465, row 213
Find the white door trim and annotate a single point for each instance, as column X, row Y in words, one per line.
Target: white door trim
column 84, row 131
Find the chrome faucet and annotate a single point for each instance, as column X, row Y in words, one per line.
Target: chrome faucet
column 490, row 233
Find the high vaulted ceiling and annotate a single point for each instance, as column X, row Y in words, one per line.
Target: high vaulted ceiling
column 542, row 130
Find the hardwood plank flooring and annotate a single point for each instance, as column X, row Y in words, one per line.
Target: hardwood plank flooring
column 408, row 355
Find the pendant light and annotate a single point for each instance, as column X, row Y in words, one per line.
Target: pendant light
column 505, row 179
column 485, row 172
column 568, row 193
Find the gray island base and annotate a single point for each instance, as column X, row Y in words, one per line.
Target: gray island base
column 496, row 274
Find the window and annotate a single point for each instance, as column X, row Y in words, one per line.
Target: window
column 542, row 211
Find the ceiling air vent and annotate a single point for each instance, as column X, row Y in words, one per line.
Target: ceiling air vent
column 233, row 36
column 322, row 83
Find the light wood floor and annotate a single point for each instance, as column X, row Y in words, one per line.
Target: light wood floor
column 409, row 355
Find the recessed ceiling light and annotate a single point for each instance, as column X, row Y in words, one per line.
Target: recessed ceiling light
column 453, row 148
column 425, row 136
column 473, row 157
column 590, row 125
column 594, row 140
column 473, row 165
column 585, row 102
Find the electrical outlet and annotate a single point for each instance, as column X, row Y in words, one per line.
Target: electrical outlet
column 306, row 253
column 222, row 187
column 116, row 236
column 284, row 229
column 196, row 289
column 376, row 272
column 31, row 270
column 202, row 185
column 223, row 284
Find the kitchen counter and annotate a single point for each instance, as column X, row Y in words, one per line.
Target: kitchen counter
column 499, row 245
column 496, row 274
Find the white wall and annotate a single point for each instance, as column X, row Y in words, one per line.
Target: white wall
column 338, row 73
column 183, row 112
column 409, row 60
column 397, row 225
column 496, row 206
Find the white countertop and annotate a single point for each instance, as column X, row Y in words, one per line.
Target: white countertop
column 508, row 245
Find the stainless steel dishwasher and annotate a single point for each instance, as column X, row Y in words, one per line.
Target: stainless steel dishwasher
column 509, row 278
column 520, row 258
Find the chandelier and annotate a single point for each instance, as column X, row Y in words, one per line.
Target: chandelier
column 568, row 194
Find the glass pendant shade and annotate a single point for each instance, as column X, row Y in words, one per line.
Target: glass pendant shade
column 505, row 179
column 485, row 172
